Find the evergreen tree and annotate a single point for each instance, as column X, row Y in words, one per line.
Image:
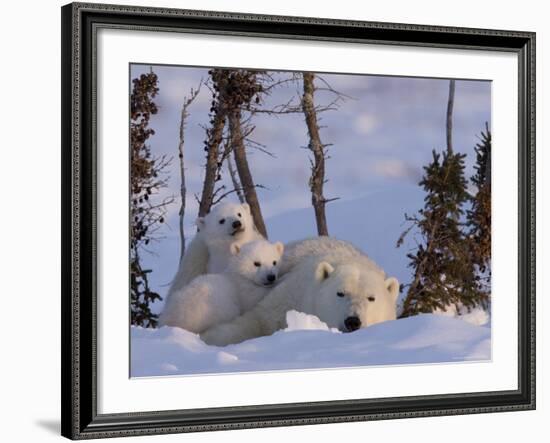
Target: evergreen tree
column 479, row 216
column 145, row 181
column 443, row 271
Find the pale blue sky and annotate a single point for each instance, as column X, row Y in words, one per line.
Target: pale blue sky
column 381, row 136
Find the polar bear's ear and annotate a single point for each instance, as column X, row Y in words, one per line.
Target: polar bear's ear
column 235, row 248
column 279, row 247
column 392, row 285
column 323, row 271
column 246, row 207
column 200, row 222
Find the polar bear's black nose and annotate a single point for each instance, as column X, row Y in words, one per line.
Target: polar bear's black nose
column 352, row 323
column 271, row 278
column 236, row 224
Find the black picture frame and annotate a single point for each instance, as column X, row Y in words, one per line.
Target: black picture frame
column 79, row 171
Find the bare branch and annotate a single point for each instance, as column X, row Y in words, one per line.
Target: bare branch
column 239, row 191
column 183, row 189
column 329, row 88
column 260, row 147
column 197, row 198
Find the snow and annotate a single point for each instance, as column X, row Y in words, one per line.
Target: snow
column 476, row 316
column 308, row 343
column 297, row 321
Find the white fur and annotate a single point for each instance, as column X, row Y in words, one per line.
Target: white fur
column 298, row 250
column 209, row 251
column 217, row 298
column 322, row 268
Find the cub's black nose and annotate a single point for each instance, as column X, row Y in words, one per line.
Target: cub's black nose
column 271, row 278
column 352, row 323
column 236, row 224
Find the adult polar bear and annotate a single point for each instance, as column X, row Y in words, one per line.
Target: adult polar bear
column 209, row 252
column 325, row 277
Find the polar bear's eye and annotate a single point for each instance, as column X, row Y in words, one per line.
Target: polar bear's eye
column 222, row 221
column 239, row 214
column 371, row 298
column 257, row 264
column 274, row 262
column 340, row 294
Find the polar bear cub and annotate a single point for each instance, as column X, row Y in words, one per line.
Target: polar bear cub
column 214, row 299
column 209, row 251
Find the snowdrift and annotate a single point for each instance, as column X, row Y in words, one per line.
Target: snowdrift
column 308, row 343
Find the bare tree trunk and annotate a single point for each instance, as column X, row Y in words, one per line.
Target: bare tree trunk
column 233, row 174
column 450, row 105
column 237, row 188
column 247, row 183
column 317, row 179
column 181, row 145
column 211, row 168
column 183, row 188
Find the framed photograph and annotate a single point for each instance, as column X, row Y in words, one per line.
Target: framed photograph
column 274, row 221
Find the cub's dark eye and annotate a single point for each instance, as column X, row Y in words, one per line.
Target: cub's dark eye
column 222, row 221
column 239, row 214
column 275, row 263
column 340, row 294
column 371, row 298
column 257, row 264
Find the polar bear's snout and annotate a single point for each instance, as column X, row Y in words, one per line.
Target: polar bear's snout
column 237, row 227
column 352, row 323
column 270, row 279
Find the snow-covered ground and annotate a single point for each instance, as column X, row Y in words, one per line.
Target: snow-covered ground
column 308, row 343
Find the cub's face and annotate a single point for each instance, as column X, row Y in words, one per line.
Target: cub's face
column 226, row 221
column 349, row 297
column 258, row 261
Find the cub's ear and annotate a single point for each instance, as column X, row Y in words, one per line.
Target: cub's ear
column 280, row 247
column 323, row 271
column 246, row 207
column 392, row 285
column 200, row 222
column 234, row 249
